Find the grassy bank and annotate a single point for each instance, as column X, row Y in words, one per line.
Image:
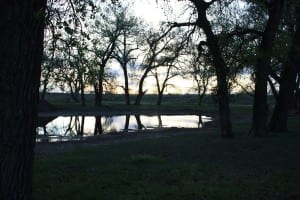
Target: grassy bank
column 149, row 100
column 194, row 166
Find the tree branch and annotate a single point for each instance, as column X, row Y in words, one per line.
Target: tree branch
column 244, row 32
column 174, row 25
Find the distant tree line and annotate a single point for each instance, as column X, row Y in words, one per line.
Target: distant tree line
column 77, row 56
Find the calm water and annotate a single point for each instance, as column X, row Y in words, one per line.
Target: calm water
column 63, row 128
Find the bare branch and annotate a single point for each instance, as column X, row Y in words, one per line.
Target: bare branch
column 174, row 25
column 244, row 32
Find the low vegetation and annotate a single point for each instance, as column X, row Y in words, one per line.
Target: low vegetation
column 196, row 165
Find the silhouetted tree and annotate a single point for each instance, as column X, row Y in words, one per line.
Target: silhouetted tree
column 98, row 130
column 126, row 125
column 259, row 118
column 21, row 41
column 126, row 46
column 218, row 63
column 161, row 51
column 106, row 33
column 167, row 66
column 288, row 76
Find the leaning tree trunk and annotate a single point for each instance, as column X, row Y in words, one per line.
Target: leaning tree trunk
column 279, row 118
column 141, row 84
column 273, row 88
column 21, row 41
column 221, row 71
column 260, row 114
column 139, row 122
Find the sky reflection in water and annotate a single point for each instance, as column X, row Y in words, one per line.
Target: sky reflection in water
column 63, row 128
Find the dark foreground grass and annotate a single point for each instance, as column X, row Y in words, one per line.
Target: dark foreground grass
column 193, row 166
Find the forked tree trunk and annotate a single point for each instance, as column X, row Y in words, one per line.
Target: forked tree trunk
column 140, row 91
column 288, row 84
column 279, row 117
column 260, row 114
column 21, row 42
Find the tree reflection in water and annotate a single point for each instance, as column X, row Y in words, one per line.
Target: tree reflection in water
column 140, row 126
column 160, row 124
column 126, row 126
column 80, row 126
column 98, row 130
column 200, row 122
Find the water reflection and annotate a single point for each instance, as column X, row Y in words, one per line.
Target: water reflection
column 75, row 127
column 98, row 126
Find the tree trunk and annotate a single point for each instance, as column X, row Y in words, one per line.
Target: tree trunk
column 126, row 126
column 273, row 88
column 139, row 122
column 96, row 91
column 99, row 88
column 202, row 94
column 82, row 125
column 82, row 92
column 21, row 41
column 98, row 126
column 221, row 71
column 288, row 84
column 159, row 98
column 74, row 92
column 223, row 102
column 126, row 89
column 259, row 118
column 141, row 84
column 200, row 122
column 279, row 118
column 44, row 91
column 160, row 124
column 159, row 91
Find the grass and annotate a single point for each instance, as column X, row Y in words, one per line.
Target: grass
column 198, row 165
column 171, row 102
column 194, row 166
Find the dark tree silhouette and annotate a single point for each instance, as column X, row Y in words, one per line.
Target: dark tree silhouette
column 21, row 41
column 219, row 65
column 288, row 81
column 98, row 130
column 126, row 46
column 259, row 118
